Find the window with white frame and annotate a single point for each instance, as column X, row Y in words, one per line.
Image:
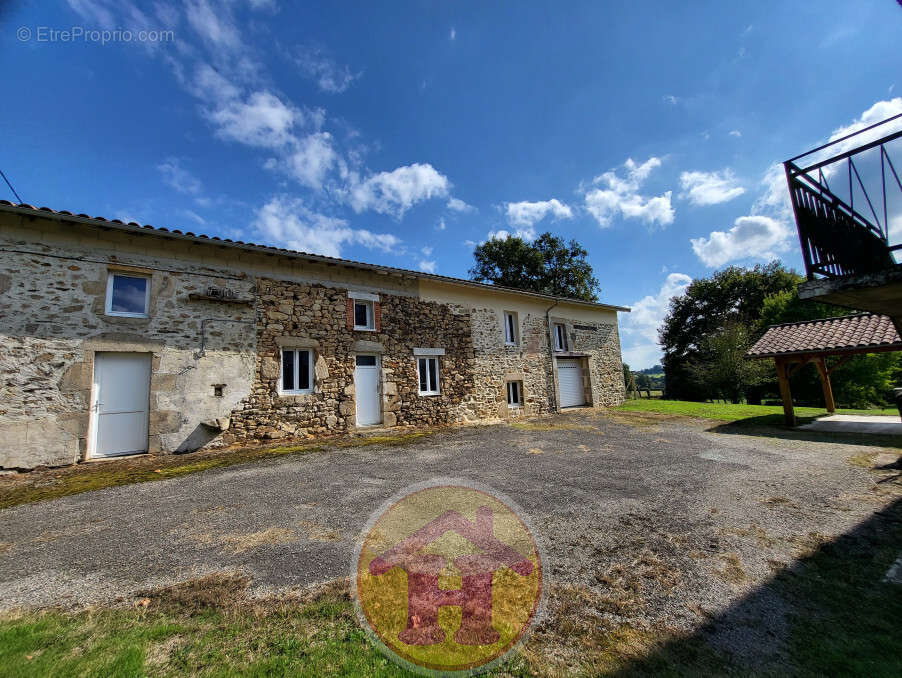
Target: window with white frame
column 297, row 371
column 128, row 295
column 363, row 315
column 515, row 394
column 560, row 337
column 427, row 369
column 511, row 329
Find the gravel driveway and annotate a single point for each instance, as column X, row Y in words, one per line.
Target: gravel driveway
column 702, row 515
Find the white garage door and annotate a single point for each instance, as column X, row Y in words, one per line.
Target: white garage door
column 570, row 379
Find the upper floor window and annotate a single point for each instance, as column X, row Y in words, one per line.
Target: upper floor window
column 297, row 371
column 560, row 337
column 427, row 369
column 363, row 311
column 128, row 295
column 511, row 327
column 363, row 315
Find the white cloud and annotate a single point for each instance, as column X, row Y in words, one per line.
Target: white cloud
column 710, row 188
column 640, row 327
column 526, row 214
column 881, row 110
column 311, row 159
column 94, row 11
column 452, row 33
column 526, row 233
column 194, row 216
column 427, row 251
column 179, row 178
column 263, row 120
column 211, row 86
column 735, row 133
column 215, row 26
column 441, row 225
column 620, row 196
column 289, row 223
column 458, row 205
column 751, row 237
column 670, row 99
column 328, row 74
column 774, row 201
column 397, row 191
column 426, row 265
column 895, row 230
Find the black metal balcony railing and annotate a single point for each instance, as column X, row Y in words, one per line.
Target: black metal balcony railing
column 838, row 240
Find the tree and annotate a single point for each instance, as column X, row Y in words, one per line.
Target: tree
column 548, row 265
column 731, row 295
column 721, row 369
column 629, row 381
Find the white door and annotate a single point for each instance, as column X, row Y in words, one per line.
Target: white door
column 367, row 373
column 119, row 404
column 570, row 380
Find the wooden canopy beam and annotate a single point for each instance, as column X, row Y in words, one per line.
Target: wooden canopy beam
column 785, row 393
column 825, row 384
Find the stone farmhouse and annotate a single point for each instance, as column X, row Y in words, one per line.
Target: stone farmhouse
column 121, row 339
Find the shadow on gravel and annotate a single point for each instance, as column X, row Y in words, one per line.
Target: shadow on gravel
column 831, row 613
column 772, row 426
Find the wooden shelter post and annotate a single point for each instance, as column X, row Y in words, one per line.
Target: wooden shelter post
column 825, row 383
column 785, row 393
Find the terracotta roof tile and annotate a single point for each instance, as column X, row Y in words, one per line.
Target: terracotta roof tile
column 846, row 333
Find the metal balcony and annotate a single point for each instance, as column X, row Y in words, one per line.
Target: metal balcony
column 854, row 226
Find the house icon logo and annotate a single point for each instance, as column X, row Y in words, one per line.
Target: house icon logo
column 448, row 577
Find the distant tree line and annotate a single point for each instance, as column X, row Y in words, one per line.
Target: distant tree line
column 715, row 321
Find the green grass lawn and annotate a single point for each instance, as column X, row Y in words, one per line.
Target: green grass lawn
column 727, row 412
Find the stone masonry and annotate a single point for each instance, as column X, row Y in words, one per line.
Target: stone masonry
column 314, row 317
column 216, row 358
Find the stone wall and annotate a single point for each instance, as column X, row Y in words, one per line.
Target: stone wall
column 297, row 315
column 52, row 322
column 601, row 342
column 496, row 364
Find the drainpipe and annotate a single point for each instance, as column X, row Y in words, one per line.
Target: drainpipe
column 551, row 357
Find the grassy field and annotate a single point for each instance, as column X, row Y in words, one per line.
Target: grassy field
column 728, row 412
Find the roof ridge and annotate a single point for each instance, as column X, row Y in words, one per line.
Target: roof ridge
column 812, row 321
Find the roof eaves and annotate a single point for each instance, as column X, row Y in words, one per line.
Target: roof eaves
column 159, row 231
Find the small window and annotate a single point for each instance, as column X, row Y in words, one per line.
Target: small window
column 427, row 369
column 297, row 371
column 515, row 394
column 365, row 361
column 511, row 329
column 363, row 315
column 560, row 337
column 127, row 295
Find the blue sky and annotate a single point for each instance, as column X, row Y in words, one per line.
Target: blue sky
column 404, row 133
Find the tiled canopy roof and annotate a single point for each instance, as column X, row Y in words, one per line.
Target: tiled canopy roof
column 846, row 334
column 160, row 231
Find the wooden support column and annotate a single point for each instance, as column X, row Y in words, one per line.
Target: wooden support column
column 785, row 393
column 825, row 383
